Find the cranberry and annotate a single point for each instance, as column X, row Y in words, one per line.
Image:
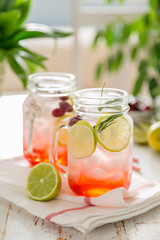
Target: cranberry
column 65, row 106
column 58, row 112
column 64, row 98
column 74, row 120
column 147, row 108
column 69, row 108
column 139, row 106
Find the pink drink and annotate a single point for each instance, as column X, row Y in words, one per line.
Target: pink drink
column 101, row 172
column 109, row 165
column 48, row 104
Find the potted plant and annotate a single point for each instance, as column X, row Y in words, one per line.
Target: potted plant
column 22, row 61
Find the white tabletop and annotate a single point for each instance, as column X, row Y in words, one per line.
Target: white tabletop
column 18, row 224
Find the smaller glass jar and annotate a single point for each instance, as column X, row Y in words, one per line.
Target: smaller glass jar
column 100, row 142
column 50, row 100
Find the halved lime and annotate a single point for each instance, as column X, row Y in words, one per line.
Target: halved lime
column 115, row 137
column 81, row 140
column 43, row 182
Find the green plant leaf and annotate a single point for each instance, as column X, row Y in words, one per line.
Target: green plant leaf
column 153, row 84
column 2, row 5
column 8, row 43
column 141, row 78
column 38, row 31
column 2, row 55
column 32, row 58
column 98, row 71
column 18, row 66
column 109, row 35
column 142, row 68
column 31, row 66
column 23, row 6
column 99, row 35
column 155, row 50
column 154, row 3
column 125, row 33
column 119, row 59
column 114, row 62
column 6, row 5
column 156, row 91
column 38, row 56
column 134, row 52
column 143, row 38
column 60, row 34
column 8, row 22
column 138, row 84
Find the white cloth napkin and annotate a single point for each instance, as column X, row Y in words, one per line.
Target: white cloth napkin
column 70, row 210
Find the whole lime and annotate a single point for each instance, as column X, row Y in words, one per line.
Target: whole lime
column 154, row 136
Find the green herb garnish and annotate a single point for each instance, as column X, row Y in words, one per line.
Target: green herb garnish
column 102, row 89
column 108, row 102
column 107, row 122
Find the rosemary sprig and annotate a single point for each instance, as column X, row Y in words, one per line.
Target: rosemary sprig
column 108, row 102
column 102, row 89
column 107, row 122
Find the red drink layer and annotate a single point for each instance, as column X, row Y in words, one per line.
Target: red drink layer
column 90, row 187
column 42, row 155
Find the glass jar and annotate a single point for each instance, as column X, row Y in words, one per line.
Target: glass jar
column 49, row 101
column 100, row 142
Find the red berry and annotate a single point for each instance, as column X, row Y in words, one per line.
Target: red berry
column 135, row 106
column 147, row 108
column 64, row 98
column 69, row 108
column 58, row 112
column 65, row 106
column 74, row 120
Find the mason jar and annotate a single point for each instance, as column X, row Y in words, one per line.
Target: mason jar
column 100, row 142
column 50, row 101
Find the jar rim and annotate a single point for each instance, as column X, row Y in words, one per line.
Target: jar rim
column 100, row 101
column 82, row 93
column 52, row 83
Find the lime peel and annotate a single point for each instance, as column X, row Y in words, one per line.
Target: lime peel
column 154, row 136
column 115, row 137
column 43, row 182
column 81, row 140
column 140, row 132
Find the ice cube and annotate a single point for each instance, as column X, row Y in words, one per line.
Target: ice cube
column 74, row 168
column 93, row 160
column 96, row 173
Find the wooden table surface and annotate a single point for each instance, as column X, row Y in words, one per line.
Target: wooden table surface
column 18, row 224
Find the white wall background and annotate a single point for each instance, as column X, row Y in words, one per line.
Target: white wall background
column 58, row 12
column 50, row 12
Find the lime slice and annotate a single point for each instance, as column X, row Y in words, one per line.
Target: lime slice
column 115, row 137
column 63, row 133
column 154, row 136
column 81, row 140
column 63, row 137
column 62, row 118
column 140, row 132
column 43, row 182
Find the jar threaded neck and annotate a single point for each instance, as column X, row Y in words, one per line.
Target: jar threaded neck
column 52, row 83
column 94, row 101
